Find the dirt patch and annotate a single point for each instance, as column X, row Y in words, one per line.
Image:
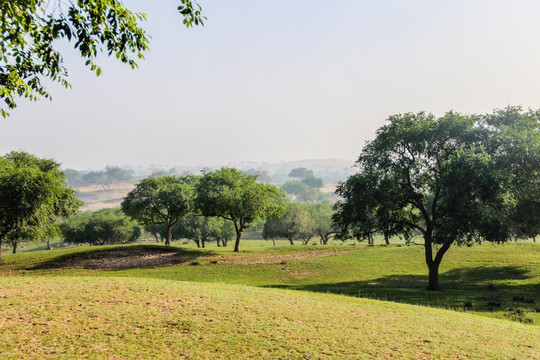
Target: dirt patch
column 121, row 259
column 269, row 258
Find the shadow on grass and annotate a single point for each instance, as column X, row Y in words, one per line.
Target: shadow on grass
column 468, row 288
column 123, row 257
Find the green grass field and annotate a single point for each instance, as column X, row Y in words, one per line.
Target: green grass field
column 149, row 301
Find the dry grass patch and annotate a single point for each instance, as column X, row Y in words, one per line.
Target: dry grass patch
column 251, row 258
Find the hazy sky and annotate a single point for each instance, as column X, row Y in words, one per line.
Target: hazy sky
column 270, row 80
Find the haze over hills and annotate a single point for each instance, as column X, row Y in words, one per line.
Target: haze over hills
column 330, row 170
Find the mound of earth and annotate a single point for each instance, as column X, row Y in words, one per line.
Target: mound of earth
column 122, row 258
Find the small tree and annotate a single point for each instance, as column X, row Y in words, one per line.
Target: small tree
column 33, row 195
column 106, row 226
column 293, row 224
column 301, row 173
column 161, row 200
column 234, row 196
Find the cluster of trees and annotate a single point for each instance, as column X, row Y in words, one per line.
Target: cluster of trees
column 102, row 227
column 226, row 193
column 104, row 178
column 33, row 197
column 456, row 179
column 301, row 222
column 305, row 187
column 200, row 229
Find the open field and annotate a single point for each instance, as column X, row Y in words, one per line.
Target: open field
column 81, row 317
column 484, row 280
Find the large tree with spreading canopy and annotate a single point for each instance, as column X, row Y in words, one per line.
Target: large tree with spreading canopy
column 456, row 179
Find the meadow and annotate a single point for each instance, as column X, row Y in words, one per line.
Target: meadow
column 283, row 302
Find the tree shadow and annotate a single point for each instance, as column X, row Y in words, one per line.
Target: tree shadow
column 123, row 257
column 471, row 288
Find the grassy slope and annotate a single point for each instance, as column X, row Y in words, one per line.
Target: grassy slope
column 481, row 276
column 50, row 317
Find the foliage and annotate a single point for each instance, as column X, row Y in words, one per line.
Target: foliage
column 323, row 225
column 106, row 226
column 294, row 223
column 301, row 173
column 448, row 178
column 234, row 196
column 313, row 182
column 202, row 229
column 161, row 200
column 32, row 198
column 301, row 191
column 31, row 29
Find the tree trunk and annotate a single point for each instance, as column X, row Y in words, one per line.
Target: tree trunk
column 387, row 239
column 197, row 242
column 291, row 240
column 237, row 243
column 217, row 241
column 14, row 247
column 0, row 249
column 203, row 242
column 224, row 242
column 49, row 244
column 433, row 283
column 169, row 235
column 274, row 242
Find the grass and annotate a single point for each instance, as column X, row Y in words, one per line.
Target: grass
column 485, row 280
column 81, row 317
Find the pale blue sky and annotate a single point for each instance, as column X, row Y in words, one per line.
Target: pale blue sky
column 283, row 80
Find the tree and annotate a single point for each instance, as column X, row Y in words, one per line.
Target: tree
column 293, row 224
column 323, row 226
column 301, row 191
column 234, row 196
column 103, row 227
column 301, row 173
column 97, row 178
column 116, row 173
column 31, row 29
column 33, row 195
column 160, row 200
column 447, row 178
column 202, row 229
column 73, row 178
column 313, row 182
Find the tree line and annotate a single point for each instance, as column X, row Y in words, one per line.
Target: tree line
column 456, row 179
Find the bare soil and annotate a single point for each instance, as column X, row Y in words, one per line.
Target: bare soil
column 122, row 258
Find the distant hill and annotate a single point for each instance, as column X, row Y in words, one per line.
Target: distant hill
column 330, row 170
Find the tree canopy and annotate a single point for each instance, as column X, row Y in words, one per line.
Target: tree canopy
column 161, row 200
column 235, row 196
column 30, row 31
column 452, row 179
column 102, row 227
column 32, row 197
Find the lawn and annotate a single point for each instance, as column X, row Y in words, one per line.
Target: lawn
column 128, row 318
column 486, row 280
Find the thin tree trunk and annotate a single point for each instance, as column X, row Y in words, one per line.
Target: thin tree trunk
column 169, row 235
column 0, row 248
column 203, row 242
column 291, row 240
column 217, row 241
column 237, row 243
column 274, row 242
column 197, row 242
column 49, row 244
column 387, row 239
column 14, row 247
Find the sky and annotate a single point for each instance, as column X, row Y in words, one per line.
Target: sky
column 282, row 80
